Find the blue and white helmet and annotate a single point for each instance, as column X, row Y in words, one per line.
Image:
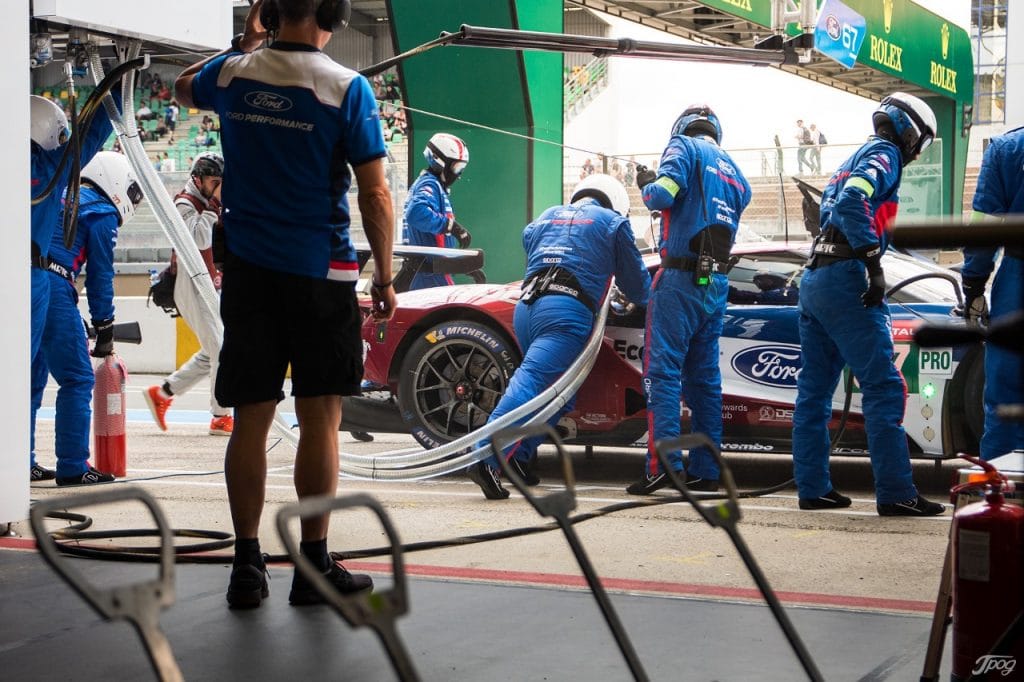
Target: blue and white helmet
column 447, row 156
column 698, row 119
column 907, row 122
column 50, row 128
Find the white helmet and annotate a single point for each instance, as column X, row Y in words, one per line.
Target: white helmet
column 49, row 124
column 447, row 156
column 608, row 191
column 112, row 175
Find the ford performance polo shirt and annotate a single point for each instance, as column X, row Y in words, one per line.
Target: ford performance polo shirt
column 292, row 120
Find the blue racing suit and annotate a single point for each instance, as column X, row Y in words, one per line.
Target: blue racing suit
column 64, row 351
column 427, row 222
column 1001, row 191
column 701, row 195
column 859, row 205
column 44, row 214
column 592, row 244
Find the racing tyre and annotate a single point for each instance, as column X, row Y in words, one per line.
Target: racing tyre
column 452, row 378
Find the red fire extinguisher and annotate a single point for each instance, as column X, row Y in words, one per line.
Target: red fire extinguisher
column 108, row 416
column 988, row 581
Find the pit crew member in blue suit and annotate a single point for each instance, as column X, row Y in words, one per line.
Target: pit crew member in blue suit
column 844, row 319
column 50, row 136
column 107, row 201
column 572, row 252
column 429, row 218
column 1000, row 191
column 701, row 194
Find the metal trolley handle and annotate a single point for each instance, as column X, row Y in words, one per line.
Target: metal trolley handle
column 138, row 603
column 377, row 610
column 558, row 505
column 726, row 514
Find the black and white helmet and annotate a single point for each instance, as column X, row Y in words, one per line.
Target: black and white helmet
column 208, row 164
column 50, row 127
column 447, row 156
column 608, row 192
column 111, row 174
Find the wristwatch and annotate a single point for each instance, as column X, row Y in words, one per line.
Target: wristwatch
column 236, row 42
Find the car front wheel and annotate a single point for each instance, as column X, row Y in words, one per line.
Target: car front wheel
column 452, row 378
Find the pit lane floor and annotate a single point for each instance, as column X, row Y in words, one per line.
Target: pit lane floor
column 850, row 566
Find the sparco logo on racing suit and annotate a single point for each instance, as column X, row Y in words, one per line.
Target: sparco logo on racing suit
column 769, row 365
column 268, row 101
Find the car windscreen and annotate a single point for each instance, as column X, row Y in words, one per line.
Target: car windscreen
column 757, row 275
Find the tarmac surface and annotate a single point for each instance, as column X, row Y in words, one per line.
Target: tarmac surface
column 851, row 560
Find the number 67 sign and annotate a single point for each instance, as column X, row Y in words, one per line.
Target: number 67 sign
column 839, row 33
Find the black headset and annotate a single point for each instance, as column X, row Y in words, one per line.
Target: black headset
column 330, row 15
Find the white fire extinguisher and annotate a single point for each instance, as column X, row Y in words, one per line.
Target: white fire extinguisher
column 108, row 416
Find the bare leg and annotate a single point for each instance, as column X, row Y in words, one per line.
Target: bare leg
column 245, row 466
column 316, row 462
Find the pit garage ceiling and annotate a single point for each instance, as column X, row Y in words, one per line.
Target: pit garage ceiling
column 926, row 74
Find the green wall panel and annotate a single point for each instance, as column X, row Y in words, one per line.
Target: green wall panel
column 508, row 178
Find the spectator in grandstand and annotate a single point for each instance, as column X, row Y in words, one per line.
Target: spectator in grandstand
column 168, row 164
column 429, row 216
column 588, row 169
column 288, row 295
column 803, row 140
column 630, row 173
column 107, row 201
column 144, row 113
column 199, row 206
column 171, row 118
column 817, row 140
column 50, row 136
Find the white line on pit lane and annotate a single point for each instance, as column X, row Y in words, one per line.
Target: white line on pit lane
column 450, row 493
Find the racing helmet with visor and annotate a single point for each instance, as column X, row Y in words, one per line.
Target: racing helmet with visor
column 906, row 121
column 447, row 156
column 112, row 175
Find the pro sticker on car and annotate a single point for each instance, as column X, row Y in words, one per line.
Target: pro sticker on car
column 936, row 361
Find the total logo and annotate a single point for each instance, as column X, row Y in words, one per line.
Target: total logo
column 777, row 366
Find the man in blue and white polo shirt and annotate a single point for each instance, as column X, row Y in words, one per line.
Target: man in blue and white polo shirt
column 293, row 122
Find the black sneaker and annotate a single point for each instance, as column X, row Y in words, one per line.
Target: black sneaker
column 648, row 484
column 90, row 477
column 488, row 479
column 362, row 436
column 701, row 485
column 833, row 499
column 915, row 507
column 247, row 587
column 524, row 472
column 304, row 594
column 41, row 473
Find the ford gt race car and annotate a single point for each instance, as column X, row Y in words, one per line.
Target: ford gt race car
column 448, row 354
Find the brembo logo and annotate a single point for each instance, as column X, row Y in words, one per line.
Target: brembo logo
column 268, row 101
column 769, row 365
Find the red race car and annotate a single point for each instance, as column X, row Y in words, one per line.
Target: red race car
column 441, row 365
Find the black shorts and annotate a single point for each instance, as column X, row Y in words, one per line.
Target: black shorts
column 273, row 319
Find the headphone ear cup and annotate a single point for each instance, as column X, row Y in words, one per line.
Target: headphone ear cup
column 333, row 14
column 269, row 15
